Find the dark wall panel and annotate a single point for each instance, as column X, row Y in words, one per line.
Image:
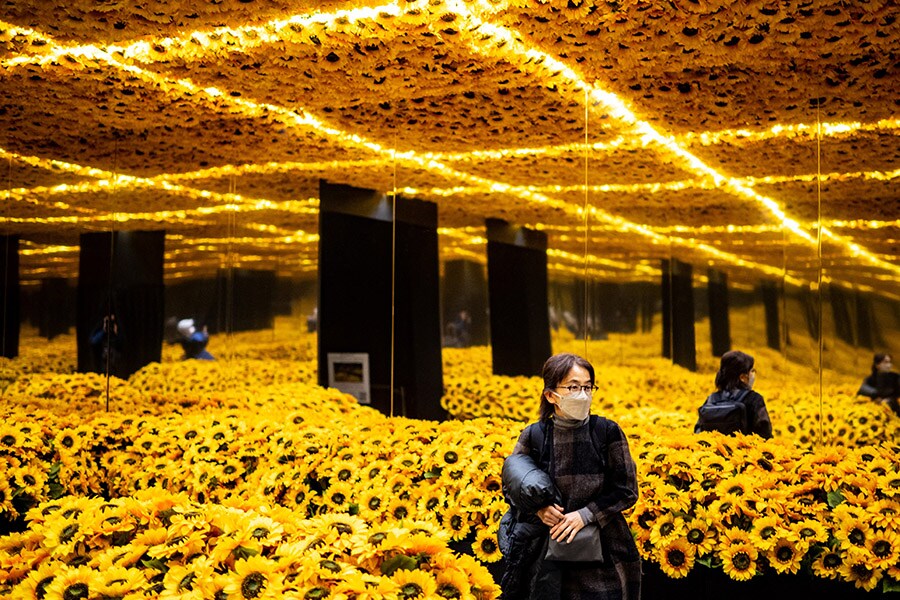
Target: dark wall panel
column 356, row 235
column 120, row 280
column 517, row 288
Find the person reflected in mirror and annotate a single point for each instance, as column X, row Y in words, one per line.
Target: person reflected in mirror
column 107, row 345
column 735, row 407
column 193, row 340
column 462, row 327
column 569, row 473
column 883, row 385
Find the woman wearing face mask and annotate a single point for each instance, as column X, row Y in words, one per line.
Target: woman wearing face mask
column 569, row 471
column 883, row 385
column 734, row 382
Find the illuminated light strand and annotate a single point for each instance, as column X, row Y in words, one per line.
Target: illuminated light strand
column 620, row 111
column 595, row 260
column 220, row 38
column 615, row 106
column 711, row 138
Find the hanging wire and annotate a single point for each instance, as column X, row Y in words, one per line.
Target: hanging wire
column 6, row 245
column 585, row 223
column 112, row 262
column 819, row 258
column 393, row 271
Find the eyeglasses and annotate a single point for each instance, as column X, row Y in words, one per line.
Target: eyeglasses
column 574, row 389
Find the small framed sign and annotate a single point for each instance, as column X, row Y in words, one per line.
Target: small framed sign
column 349, row 372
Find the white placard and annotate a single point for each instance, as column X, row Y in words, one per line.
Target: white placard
column 349, row 372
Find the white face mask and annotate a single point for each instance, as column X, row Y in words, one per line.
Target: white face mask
column 574, row 406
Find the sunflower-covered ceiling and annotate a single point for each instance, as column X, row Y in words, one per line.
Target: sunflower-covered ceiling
column 759, row 137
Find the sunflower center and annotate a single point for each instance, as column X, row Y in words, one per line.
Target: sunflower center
column 187, row 583
column 40, row 590
column 8, row 440
column 736, row 490
column 767, row 532
column 316, row 593
column 76, row 591
column 343, row 528
column 450, row 457
column 807, row 532
column 449, row 591
column 252, row 585
column 68, row 533
column 374, row 503
column 339, row 498
column 432, row 503
column 784, row 553
column 411, row 590
column 676, row 558
column 741, row 561
column 330, row 565
column 299, row 498
column 377, row 538
column 862, row 572
column 400, row 512
column 488, row 546
column 666, row 528
column 456, row 522
column 857, row 537
column 881, row 548
column 696, row 536
column 832, row 561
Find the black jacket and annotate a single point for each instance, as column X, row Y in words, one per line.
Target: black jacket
column 522, row 536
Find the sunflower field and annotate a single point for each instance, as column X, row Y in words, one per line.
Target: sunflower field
column 243, row 479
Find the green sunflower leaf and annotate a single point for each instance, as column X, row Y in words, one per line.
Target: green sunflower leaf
column 835, row 498
column 392, row 565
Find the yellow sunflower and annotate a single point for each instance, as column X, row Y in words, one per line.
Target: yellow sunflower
column 701, row 536
column 338, row 497
column 120, row 582
column 401, row 509
column 666, row 528
column 73, row 582
column 255, row 577
column 857, row 570
column 785, row 556
column 485, row 546
column 456, row 521
column 766, row 532
column 828, row 564
column 452, row 583
column 676, row 558
column 739, row 560
column 432, row 501
column 810, row 531
column 34, row 586
column 885, row 549
column 852, row 531
column 187, row 580
column 414, row 584
column 885, row 513
column 889, row 485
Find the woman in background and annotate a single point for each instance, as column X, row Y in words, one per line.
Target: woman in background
column 883, row 385
column 735, row 407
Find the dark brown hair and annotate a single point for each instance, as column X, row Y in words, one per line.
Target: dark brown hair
column 554, row 372
column 733, row 365
column 877, row 361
